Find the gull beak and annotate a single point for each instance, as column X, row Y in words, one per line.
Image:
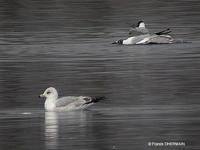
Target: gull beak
column 41, row 95
column 114, row 42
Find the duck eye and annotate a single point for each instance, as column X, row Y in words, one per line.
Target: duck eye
column 48, row 92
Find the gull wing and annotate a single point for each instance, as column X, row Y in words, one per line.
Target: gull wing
column 76, row 100
column 64, row 101
column 137, row 31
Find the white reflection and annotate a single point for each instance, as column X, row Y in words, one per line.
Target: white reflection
column 51, row 130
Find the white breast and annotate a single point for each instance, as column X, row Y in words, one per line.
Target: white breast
column 49, row 105
column 128, row 41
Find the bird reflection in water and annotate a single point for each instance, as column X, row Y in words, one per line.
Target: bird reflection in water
column 55, row 121
column 76, row 128
column 51, row 130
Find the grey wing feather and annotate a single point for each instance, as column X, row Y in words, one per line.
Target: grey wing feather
column 63, row 101
column 138, row 31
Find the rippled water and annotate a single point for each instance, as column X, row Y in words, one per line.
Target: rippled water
column 152, row 90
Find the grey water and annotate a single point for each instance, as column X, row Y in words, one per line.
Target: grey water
column 153, row 91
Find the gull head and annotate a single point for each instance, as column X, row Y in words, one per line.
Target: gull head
column 50, row 92
column 120, row 42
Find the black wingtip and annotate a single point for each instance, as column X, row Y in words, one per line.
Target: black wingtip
column 166, row 31
column 97, row 99
column 94, row 99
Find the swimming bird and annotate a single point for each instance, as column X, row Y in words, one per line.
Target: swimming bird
column 144, row 37
column 53, row 103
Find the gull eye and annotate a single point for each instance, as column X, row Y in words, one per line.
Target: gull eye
column 48, row 92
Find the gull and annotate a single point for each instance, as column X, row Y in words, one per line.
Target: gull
column 53, row 103
column 144, row 37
